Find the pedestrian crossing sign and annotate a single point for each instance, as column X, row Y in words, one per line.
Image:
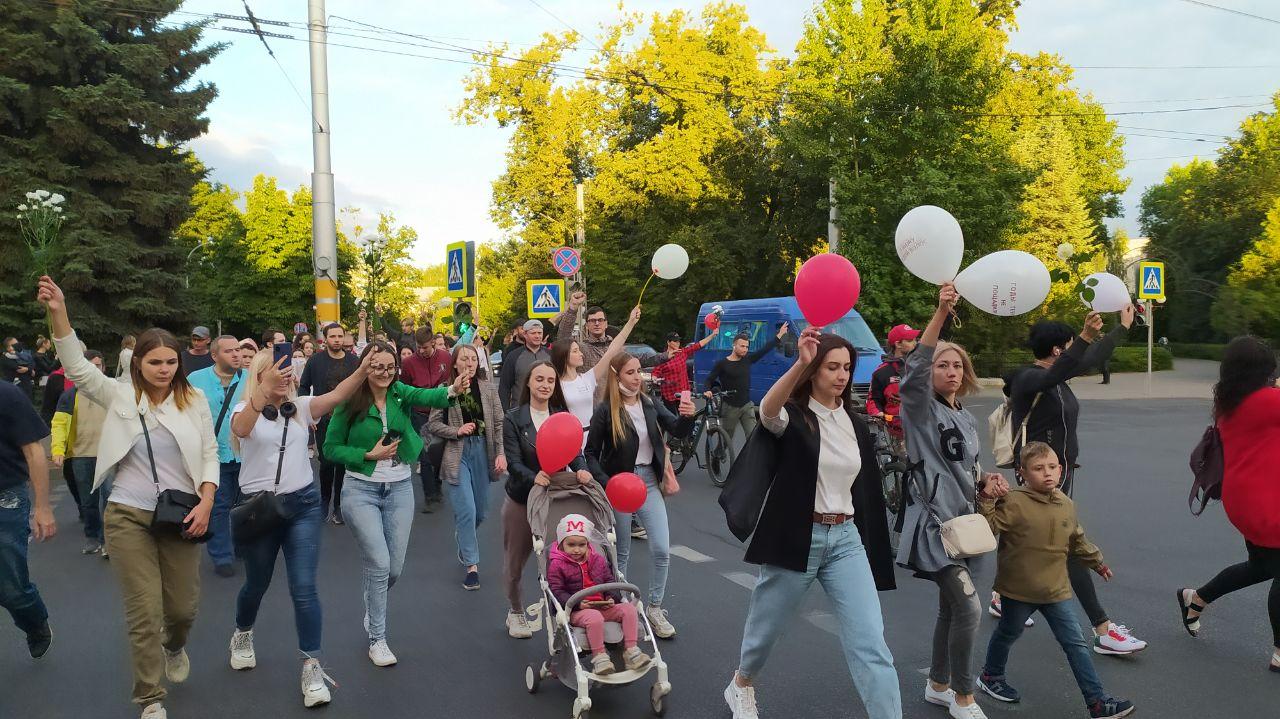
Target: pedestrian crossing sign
column 1151, row 281
column 459, row 265
column 545, row 297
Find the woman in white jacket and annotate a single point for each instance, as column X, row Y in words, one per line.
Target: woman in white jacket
column 157, row 436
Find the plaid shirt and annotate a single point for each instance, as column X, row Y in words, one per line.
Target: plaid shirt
column 674, row 373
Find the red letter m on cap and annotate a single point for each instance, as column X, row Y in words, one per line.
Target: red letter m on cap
column 574, row 525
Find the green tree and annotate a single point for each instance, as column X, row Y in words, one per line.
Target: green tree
column 97, row 105
column 384, row 277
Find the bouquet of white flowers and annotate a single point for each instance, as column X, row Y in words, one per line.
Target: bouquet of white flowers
column 39, row 222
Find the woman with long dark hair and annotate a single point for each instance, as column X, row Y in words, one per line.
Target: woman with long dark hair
column 158, row 438
column 823, row 519
column 581, row 387
column 1246, row 409
column 626, row 435
column 472, row 432
column 539, row 399
column 372, row 436
column 942, row 446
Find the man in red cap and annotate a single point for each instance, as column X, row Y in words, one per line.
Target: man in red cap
column 883, row 399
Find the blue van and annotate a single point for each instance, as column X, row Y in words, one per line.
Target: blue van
column 761, row 318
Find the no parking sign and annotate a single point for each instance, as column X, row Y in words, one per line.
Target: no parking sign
column 566, row 261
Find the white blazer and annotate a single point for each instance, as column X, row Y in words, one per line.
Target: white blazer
column 191, row 427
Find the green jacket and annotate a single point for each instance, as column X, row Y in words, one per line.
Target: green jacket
column 1038, row 532
column 347, row 438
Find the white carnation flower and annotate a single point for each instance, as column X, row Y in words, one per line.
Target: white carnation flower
column 32, row 196
column 57, row 199
column 58, row 210
column 1065, row 251
column 22, row 208
column 42, row 194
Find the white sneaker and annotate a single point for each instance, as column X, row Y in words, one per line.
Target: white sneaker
column 1117, row 641
column 518, row 626
column 741, row 701
column 314, row 690
column 942, row 699
column 658, row 620
column 380, row 654
column 973, row 711
column 155, row 711
column 177, row 667
column 242, row 656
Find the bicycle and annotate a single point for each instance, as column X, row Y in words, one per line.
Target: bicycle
column 717, row 454
column 891, row 455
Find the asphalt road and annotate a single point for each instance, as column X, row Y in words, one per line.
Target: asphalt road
column 456, row 660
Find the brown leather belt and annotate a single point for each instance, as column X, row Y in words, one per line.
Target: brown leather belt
column 831, row 519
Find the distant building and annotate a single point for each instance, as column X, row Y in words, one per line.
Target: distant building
column 1135, row 251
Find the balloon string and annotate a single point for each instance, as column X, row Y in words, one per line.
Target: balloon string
column 646, row 286
column 955, row 319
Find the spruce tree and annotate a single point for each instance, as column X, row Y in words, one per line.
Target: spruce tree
column 96, row 103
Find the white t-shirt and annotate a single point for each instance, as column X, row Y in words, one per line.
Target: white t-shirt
column 539, row 416
column 839, row 457
column 260, row 452
column 580, row 396
column 133, row 484
column 645, row 454
column 386, row 470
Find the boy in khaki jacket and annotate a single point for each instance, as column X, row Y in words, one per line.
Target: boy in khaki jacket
column 1038, row 530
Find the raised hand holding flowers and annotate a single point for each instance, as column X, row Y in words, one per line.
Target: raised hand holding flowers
column 39, row 223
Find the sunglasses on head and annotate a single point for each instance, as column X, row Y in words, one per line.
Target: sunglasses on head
column 287, row 410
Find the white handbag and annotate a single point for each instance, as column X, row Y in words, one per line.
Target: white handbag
column 964, row 536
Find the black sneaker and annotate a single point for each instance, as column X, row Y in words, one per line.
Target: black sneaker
column 224, row 570
column 472, row 582
column 1110, row 707
column 998, row 688
column 38, row 641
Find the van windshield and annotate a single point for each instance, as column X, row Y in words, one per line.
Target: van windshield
column 853, row 329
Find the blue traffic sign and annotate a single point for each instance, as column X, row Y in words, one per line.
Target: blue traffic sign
column 1151, row 280
column 566, row 261
column 545, row 298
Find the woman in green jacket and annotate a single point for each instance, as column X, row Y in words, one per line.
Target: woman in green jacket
column 371, row 435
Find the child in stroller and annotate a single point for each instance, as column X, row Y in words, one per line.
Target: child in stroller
column 575, row 566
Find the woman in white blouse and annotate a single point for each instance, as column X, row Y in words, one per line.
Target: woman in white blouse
column 157, row 436
column 824, row 519
column 580, row 387
column 275, row 459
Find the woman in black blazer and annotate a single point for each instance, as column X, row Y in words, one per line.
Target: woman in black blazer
column 539, row 399
column 824, row 519
column 626, row 435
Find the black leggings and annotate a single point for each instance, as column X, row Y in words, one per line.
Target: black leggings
column 1082, row 584
column 1263, row 564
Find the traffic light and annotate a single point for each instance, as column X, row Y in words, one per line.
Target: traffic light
column 1140, row 316
column 462, row 318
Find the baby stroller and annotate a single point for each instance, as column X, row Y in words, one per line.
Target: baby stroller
column 565, row 642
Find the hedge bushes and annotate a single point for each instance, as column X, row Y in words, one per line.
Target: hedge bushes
column 1197, row 351
column 1125, row 359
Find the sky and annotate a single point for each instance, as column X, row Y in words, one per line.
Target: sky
column 397, row 147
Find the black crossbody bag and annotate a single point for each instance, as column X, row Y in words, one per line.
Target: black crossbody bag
column 172, row 505
column 259, row 514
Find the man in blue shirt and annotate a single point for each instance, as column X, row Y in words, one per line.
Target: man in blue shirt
column 223, row 386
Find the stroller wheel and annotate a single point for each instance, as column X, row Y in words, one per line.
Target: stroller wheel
column 532, row 678
column 658, row 701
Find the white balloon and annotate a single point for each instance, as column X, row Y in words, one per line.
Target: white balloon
column 1109, row 293
column 1005, row 283
column 930, row 244
column 670, row 261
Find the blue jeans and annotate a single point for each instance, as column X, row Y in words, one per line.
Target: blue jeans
column 380, row 515
column 17, row 593
column 219, row 545
column 652, row 515
column 469, row 498
column 300, row 540
column 838, row 561
column 90, row 509
column 1066, row 629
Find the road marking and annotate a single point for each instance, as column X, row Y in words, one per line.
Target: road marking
column 742, row 579
column 691, row 555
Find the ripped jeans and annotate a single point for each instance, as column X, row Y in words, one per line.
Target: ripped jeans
column 956, row 632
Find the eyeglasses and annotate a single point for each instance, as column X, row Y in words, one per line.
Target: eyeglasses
column 381, row 368
column 595, row 320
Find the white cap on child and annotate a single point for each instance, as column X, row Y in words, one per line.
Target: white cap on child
column 574, row 525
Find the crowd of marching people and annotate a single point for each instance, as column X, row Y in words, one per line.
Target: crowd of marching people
column 250, row 447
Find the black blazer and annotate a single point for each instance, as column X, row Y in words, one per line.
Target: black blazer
column 785, row 529
column 520, row 445
column 607, row 459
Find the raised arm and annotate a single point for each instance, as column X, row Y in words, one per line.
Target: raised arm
column 776, row 398
column 324, row 404
column 760, row 353
column 78, row 369
column 615, row 347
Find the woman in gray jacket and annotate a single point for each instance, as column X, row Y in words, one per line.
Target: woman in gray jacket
column 942, row 446
column 473, row 456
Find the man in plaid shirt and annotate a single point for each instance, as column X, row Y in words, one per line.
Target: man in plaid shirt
column 672, row 366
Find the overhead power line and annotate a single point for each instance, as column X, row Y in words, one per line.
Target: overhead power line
column 1233, row 11
column 562, row 22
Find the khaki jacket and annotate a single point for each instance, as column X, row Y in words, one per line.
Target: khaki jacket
column 1037, row 534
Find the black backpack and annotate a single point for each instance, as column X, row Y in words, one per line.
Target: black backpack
column 1207, row 466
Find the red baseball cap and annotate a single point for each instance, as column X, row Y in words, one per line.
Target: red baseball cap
column 900, row 333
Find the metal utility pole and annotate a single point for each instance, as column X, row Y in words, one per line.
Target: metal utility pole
column 833, row 214
column 324, row 234
column 580, row 232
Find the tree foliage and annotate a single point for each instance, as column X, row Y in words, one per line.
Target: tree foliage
column 96, row 104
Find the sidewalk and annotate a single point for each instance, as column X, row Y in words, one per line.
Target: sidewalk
column 1189, row 378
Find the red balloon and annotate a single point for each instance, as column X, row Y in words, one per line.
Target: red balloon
column 827, row 287
column 712, row 321
column 559, row 441
column 626, row 491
